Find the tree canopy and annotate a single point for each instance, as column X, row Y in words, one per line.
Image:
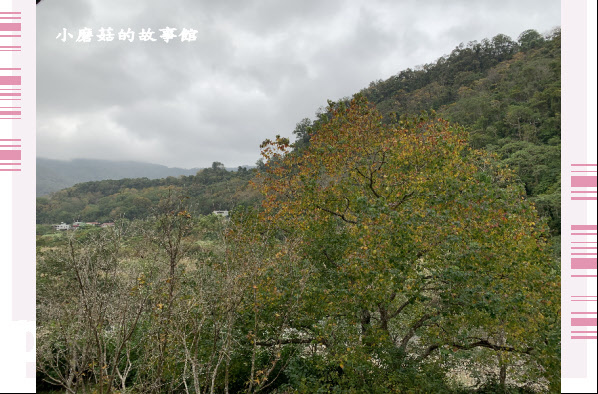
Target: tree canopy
column 418, row 242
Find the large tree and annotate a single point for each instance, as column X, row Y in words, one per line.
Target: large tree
column 424, row 251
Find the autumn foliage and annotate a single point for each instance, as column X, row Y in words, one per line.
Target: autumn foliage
column 385, row 257
column 422, row 243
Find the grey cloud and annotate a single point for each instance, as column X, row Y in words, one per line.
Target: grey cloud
column 257, row 68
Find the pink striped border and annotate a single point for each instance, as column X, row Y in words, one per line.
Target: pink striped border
column 10, row 79
column 584, row 227
column 583, row 181
column 583, row 264
column 10, row 154
column 10, row 27
column 584, row 321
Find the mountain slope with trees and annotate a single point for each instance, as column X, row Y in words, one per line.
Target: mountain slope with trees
column 53, row 175
column 505, row 93
column 214, row 188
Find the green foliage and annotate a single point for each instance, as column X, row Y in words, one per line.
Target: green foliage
column 503, row 92
column 398, row 222
column 210, row 189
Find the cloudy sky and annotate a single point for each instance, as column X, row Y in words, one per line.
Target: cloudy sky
column 255, row 70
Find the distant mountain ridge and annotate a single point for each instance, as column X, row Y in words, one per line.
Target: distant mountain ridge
column 53, row 175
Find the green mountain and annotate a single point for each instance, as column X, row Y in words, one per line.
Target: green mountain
column 506, row 93
column 54, row 175
column 210, row 189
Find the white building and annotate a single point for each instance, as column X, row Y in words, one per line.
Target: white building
column 61, row 226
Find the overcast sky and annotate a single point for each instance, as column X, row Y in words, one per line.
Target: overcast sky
column 256, row 69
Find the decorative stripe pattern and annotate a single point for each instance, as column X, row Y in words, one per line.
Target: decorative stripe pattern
column 583, row 182
column 10, row 91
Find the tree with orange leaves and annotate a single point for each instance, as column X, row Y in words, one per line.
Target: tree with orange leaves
column 424, row 251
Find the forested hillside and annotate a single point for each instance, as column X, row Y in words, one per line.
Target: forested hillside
column 54, row 175
column 506, row 93
column 397, row 246
column 214, row 188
